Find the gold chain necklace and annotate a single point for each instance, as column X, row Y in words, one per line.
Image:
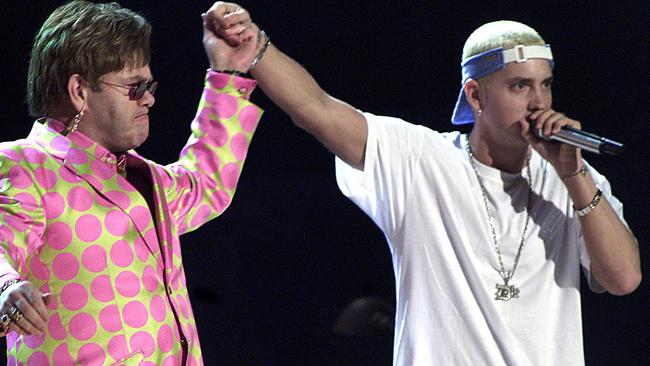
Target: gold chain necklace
column 505, row 291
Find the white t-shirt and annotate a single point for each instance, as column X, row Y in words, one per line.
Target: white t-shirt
column 418, row 186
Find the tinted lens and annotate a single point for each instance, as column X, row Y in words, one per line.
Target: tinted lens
column 137, row 91
column 152, row 87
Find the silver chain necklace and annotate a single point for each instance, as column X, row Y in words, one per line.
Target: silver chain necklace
column 505, row 291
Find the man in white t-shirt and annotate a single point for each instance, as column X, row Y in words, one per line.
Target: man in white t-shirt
column 487, row 231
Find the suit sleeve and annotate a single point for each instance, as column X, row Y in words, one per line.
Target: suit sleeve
column 201, row 184
column 22, row 221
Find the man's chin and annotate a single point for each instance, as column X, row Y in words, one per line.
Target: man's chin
column 141, row 137
column 133, row 144
column 138, row 143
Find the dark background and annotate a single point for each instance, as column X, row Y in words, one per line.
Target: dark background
column 270, row 277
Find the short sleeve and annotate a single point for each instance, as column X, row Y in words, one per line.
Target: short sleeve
column 382, row 187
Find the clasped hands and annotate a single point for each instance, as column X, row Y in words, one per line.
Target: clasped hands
column 231, row 40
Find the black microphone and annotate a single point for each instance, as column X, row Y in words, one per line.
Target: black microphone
column 582, row 139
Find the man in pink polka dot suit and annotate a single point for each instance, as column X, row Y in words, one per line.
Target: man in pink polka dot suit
column 90, row 259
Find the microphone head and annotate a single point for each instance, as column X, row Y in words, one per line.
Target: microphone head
column 610, row 147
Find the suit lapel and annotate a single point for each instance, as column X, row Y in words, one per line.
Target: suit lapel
column 95, row 165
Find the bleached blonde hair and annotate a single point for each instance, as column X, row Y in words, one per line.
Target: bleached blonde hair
column 501, row 33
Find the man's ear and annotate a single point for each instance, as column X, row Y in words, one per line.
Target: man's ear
column 77, row 91
column 473, row 94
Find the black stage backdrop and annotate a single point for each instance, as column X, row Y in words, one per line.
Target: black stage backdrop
column 269, row 278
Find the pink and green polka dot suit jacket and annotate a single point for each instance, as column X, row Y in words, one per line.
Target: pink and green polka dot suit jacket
column 73, row 226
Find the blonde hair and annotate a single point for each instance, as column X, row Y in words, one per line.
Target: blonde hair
column 501, row 33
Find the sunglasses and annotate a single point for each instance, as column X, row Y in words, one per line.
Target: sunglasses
column 136, row 90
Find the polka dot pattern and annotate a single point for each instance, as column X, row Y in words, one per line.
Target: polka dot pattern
column 217, row 132
column 33, row 341
column 223, row 105
column 230, row 175
column 171, row 360
column 141, row 216
column 39, row 269
column 53, row 205
column 206, row 164
column 74, row 296
column 19, row 178
column 151, row 237
column 94, row 258
column 91, row 354
column 109, row 318
column 183, row 305
column 248, row 118
column 77, row 156
column 96, row 182
column 124, row 184
column 117, row 223
column 158, row 308
column 127, row 284
column 38, row 358
column 120, row 198
column 104, row 202
column 239, row 146
column 117, row 347
column 121, row 253
column 218, row 81
column 83, row 326
column 68, row 176
column 144, row 342
column 102, row 289
column 80, row 199
column 135, row 314
column 65, row 266
column 62, row 357
column 141, row 250
column 11, row 155
column 27, row 201
column 34, row 156
column 46, row 178
column 201, row 215
column 58, row 235
column 88, row 228
column 55, row 327
column 165, row 338
column 221, row 200
column 16, row 223
column 95, row 246
column 149, row 279
column 101, row 169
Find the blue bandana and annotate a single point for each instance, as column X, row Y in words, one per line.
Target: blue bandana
column 488, row 62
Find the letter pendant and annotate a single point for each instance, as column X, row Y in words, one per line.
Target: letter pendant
column 505, row 292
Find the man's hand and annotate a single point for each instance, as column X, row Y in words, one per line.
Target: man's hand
column 230, row 38
column 565, row 158
column 31, row 316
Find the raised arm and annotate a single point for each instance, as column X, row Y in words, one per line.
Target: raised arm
column 337, row 125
